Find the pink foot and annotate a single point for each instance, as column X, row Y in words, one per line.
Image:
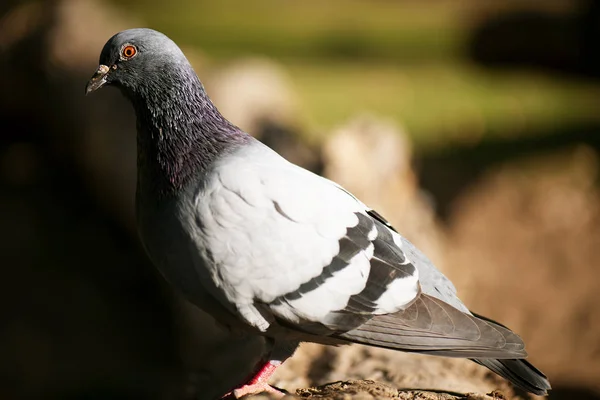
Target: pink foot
column 258, row 383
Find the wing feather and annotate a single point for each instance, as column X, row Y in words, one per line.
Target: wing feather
column 432, row 326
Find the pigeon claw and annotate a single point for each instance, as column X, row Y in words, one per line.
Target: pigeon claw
column 254, row 388
column 257, row 383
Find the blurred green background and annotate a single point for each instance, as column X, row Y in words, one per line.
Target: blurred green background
column 405, row 59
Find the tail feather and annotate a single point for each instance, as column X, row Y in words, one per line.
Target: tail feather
column 520, row 373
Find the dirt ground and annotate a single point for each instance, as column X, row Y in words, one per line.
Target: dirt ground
column 365, row 389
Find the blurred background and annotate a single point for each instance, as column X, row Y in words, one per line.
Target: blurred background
column 474, row 127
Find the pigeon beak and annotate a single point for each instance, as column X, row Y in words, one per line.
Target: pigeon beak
column 98, row 79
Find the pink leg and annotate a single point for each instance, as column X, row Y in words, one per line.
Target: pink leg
column 258, row 382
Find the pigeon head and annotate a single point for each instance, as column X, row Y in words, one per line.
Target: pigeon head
column 138, row 60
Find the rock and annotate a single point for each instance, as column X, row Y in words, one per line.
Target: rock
column 253, row 92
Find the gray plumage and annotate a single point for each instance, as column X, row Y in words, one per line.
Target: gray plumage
column 271, row 249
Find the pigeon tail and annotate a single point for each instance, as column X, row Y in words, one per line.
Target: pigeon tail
column 520, row 373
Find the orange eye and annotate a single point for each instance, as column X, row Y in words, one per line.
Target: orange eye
column 128, row 51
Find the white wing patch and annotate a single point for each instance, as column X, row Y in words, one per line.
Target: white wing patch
column 397, row 295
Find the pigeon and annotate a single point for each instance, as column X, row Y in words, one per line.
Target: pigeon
column 268, row 248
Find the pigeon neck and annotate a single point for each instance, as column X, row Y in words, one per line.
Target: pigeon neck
column 180, row 133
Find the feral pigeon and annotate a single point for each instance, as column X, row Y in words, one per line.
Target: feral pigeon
column 269, row 248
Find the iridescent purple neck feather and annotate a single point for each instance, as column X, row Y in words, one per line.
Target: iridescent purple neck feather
column 180, row 131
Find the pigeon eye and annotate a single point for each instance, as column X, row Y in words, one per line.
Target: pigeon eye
column 128, row 52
